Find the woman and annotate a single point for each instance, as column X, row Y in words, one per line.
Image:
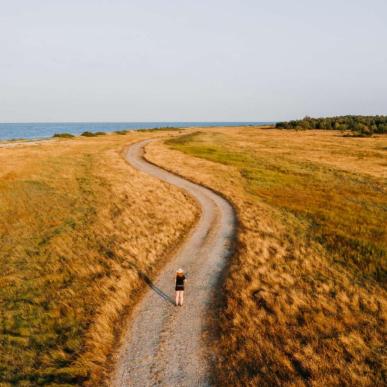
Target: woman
column 179, row 287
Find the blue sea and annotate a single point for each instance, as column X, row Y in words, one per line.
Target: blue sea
column 39, row 130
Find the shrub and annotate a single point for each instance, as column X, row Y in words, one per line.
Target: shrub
column 63, row 135
column 88, row 134
column 92, row 134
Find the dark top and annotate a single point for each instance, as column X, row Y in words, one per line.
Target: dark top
column 180, row 282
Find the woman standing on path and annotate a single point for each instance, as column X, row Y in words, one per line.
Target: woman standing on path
column 179, row 287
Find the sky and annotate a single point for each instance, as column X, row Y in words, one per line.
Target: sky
column 196, row 60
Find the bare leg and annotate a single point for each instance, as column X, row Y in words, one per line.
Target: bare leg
column 181, row 297
column 177, row 298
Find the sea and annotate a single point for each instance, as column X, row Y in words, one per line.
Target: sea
column 41, row 130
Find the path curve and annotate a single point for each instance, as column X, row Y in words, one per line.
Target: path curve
column 163, row 345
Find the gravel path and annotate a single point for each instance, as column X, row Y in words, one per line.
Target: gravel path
column 164, row 343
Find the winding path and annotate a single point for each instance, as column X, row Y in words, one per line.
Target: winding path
column 163, row 345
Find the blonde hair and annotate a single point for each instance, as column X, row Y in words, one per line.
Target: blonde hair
column 180, row 272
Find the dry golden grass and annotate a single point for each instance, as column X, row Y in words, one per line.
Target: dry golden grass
column 301, row 305
column 80, row 230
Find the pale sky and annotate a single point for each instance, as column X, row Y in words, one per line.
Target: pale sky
column 196, row 60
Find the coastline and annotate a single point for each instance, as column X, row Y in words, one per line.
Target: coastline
column 18, row 132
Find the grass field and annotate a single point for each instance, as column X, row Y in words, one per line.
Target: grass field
column 305, row 297
column 79, row 232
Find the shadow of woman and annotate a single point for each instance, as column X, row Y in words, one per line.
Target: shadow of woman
column 157, row 290
column 149, row 282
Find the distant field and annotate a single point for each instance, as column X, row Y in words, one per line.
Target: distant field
column 305, row 295
column 79, row 230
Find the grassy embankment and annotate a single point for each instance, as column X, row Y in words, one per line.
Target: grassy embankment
column 79, row 232
column 305, row 302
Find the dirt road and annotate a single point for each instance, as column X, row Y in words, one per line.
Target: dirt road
column 164, row 344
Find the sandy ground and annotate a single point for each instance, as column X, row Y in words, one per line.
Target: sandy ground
column 164, row 343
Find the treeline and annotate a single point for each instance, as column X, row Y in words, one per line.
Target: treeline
column 359, row 125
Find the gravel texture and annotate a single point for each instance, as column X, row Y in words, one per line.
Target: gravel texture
column 164, row 344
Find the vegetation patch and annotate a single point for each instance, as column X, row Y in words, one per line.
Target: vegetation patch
column 92, row 134
column 360, row 126
column 63, row 135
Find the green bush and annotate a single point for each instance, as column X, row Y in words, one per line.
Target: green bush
column 92, row 134
column 63, row 135
column 88, row 134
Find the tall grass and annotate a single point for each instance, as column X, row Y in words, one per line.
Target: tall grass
column 79, row 230
column 304, row 297
column 343, row 211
